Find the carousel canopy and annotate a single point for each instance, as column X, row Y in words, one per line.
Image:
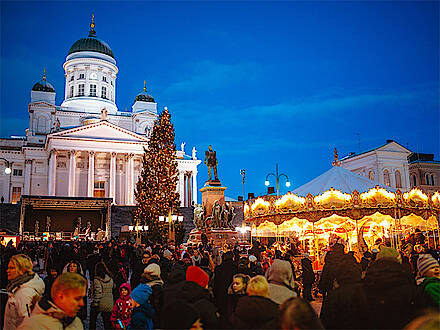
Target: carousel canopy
column 338, row 178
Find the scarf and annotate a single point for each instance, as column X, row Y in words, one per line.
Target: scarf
column 16, row 282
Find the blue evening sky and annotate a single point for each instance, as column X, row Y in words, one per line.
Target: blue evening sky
column 263, row 82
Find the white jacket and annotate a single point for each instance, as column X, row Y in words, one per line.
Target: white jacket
column 47, row 316
column 21, row 301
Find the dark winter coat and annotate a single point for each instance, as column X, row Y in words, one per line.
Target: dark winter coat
column 201, row 300
column 307, row 275
column 390, row 298
column 255, row 312
column 222, row 279
column 175, row 282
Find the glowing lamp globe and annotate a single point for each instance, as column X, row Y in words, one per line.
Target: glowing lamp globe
column 287, row 184
column 8, row 170
column 266, row 183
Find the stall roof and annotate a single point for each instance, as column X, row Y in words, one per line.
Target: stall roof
column 341, row 179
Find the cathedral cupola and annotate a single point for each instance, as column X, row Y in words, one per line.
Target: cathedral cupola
column 90, row 71
column 144, row 101
column 43, row 91
column 144, row 96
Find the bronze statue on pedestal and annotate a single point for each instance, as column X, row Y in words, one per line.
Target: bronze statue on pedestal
column 211, row 162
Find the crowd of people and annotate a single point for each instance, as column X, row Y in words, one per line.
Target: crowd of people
column 70, row 285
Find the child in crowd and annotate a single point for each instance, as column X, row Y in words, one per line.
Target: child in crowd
column 429, row 278
column 121, row 312
column 236, row 290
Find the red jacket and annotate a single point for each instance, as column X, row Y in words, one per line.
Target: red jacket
column 122, row 309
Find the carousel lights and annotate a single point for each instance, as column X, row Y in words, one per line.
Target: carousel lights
column 436, row 198
column 415, row 194
column 289, row 197
column 332, row 194
column 260, row 203
column 377, row 191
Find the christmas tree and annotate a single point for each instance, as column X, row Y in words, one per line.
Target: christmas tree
column 156, row 192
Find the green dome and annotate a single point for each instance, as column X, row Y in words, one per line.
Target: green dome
column 144, row 97
column 43, row 86
column 91, row 44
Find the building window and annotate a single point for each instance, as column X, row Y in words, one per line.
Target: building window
column 427, row 179
column 432, row 180
column 111, row 82
column 72, row 78
column 371, row 175
column 81, row 90
column 386, row 178
column 398, row 179
column 16, row 194
column 99, row 190
column 104, row 92
column 414, row 180
column 71, row 91
column 42, row 128
column 104, row 78
column 92, row 90
column 82, row 76
column 17, row 172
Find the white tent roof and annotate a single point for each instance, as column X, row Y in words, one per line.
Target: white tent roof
column 338, row 178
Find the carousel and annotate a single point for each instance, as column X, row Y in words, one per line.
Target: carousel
column 359, row 214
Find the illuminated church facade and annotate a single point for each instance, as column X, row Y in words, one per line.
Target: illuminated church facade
column 86, row 147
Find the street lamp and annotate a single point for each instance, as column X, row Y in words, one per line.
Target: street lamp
column 277, row 178
column 8, row 169
column 171, row 219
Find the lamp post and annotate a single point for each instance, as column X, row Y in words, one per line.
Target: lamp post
column 8, row 171
column 277, row 178
column 171, row 219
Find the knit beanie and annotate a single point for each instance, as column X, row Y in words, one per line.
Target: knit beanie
column 152, row 270
column 388, row 252
column 425, row 263
column 197, row 275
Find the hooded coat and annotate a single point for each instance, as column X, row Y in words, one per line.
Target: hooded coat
column 255, row 312
column 281, row 282
column 48, row 316
column 122, row 309
column 222, row 279
column 201, row 300
column 21, row 301
column 103, row 294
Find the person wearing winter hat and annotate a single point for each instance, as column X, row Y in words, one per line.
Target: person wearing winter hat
column 152, row 274
column 184, row 316
column 121, row 313
column 194, row 292
column 429, row 278
column 388, row 252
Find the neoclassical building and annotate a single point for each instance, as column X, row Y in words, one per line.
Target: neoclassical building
column 387, row 164
column 86, row 147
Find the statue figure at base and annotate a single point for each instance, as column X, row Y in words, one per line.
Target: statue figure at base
column 216, row 215
column 199, row 215
column 211, row 162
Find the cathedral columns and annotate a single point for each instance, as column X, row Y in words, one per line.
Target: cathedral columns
column 72, row 168
column 112, row 187
column 182, row 188
column 194, row 186
column 27, row 176
column 91, row 175
column 130, row 180
column 52, row 174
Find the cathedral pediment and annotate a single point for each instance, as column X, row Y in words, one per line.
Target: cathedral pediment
column 101, row 131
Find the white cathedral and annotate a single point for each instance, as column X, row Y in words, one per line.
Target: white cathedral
column 86, row 147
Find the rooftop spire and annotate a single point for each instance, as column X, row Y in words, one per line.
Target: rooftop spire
column 44, row 74
column 145, row 86
column 92, row 31
column 336, row 162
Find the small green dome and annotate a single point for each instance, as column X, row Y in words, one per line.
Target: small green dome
column 144, row 97
column 43, row 86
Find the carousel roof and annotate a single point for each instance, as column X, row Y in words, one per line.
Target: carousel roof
column 338, row 178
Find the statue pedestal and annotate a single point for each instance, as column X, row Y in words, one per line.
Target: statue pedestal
column 217, row 236
column 210, row 194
